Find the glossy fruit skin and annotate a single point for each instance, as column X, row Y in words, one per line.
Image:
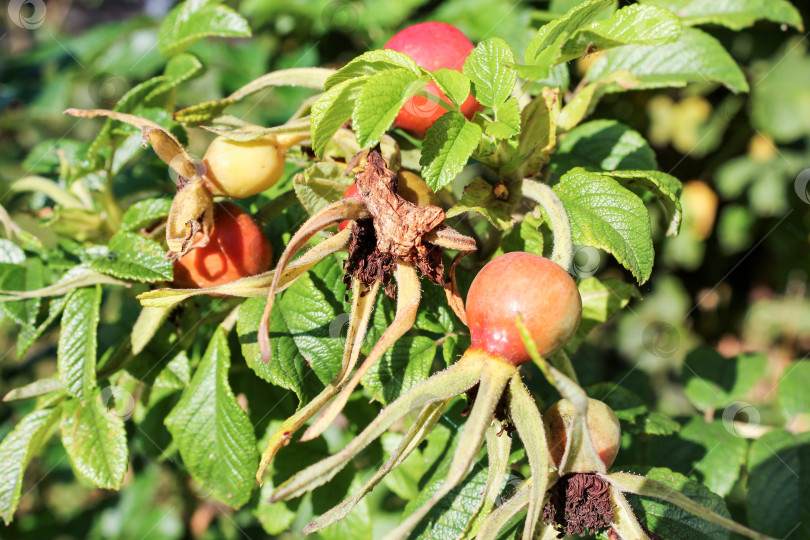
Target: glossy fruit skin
column 432, row 45
column 239, row 169
column 537, row 289
column 602, row 424
column 236, row 248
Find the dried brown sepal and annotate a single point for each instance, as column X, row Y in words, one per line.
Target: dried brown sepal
column 365, row 262
column 192, row 212
column 579, row 505
column 454, row 299
column 343, row 210
column 399, row 225
column 166, row 145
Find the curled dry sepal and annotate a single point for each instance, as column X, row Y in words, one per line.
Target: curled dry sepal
column 191, row 217
column 583, row 497
column 387, row 236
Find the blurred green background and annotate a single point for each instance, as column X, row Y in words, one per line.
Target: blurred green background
column 735, row 279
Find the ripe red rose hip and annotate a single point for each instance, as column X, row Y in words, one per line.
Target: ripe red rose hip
column 537, row 289
column 432, row 45
column 236, row 248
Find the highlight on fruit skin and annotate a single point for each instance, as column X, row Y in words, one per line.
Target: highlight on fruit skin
column 533, row 287
column 239, row 169
column 432, row 45
column 501, row 403
column 236, row 248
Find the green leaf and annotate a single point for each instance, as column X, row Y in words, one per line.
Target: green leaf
column 779, row 104
column 95, row 441
column 194, row 20
column 666, row 188
column 635, row 24
column 600, row 301
column 39, row 387
column 734, row 14
column 550, row 38
column 321, row 184
column 607, row 216
column 403, row 366
column 604, row 145
column 712, row 381
column 176, row 374
column 448, row 144
column 287, row 369
column 478, row 197
column 179, row 69
column 694, row 57
column 313, row 312
column 144, row 213
column 507, row 123
column 524, row 236
column 213, row 433
column 308, row 77
column 10, row 253
column 454, row 512
column 372, row 63
column 778, row 494
column 454, row 84
column 76, row 351
column 709, row 452
column 29, row 334
column 149, row 321
column 585, row 100
column 538, row 136
column 305, row 331
column 16, row 451
column 379, row 102
column 793, row 384
column 25, row 313
column 136, row 257
column 275, row 517
column 490, row 70
column 670, row 521
column 331, row 110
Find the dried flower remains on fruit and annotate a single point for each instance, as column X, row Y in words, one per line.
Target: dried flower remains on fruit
column 390, row 241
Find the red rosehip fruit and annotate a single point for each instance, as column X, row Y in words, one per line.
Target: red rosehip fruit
column 537, row 289
column 432, row 45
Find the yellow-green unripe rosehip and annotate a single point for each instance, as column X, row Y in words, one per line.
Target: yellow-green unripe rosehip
column 239, row 169
column 602, row 424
